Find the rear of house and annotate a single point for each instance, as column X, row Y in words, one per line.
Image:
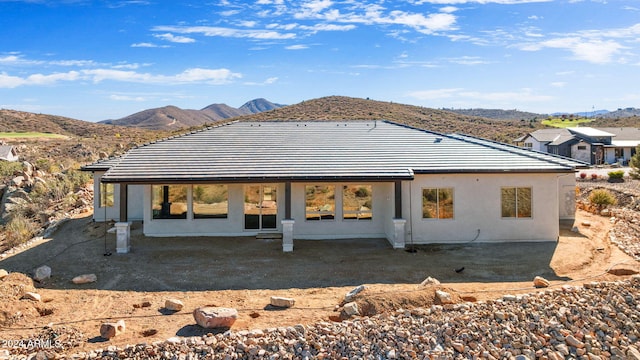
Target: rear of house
column 335, row 180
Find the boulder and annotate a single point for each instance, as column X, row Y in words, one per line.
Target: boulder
column 42, row 273
column 173, row 304
column 215, row 317
column 282, row 302
column 540, row 282
column 31, row 296
column 84, row 279
column 3, row 273
column 351, row 309
column 443, row 297
column 17, row 181
column 430, row 281
column 27, row 168
column 110, row 330
column 352, row 294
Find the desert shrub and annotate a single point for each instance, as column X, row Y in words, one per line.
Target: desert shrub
column 19, row 229
column 8, row 168
column 602, row 197
column 617, row 174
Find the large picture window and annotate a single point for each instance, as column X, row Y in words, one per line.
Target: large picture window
column 320, row 202
column 516, row 202
column 437, row 203
column 210, row 202
column 106, row 194
column 357, row 202
column 169, row 201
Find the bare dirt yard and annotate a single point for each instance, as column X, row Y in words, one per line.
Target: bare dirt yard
column 244, row 273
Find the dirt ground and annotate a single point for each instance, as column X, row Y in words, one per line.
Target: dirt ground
column 245, row 272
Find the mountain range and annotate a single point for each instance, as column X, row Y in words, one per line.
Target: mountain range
column 172, row 117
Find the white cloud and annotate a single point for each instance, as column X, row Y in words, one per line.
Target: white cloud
column 175, row 39
column 449, row 9
column 434, row 94
column 268, row 81
column 594, row 51
column 559, row 84
column 296, row 47
column 126, row 98
column 194, row 75
column 226, row 32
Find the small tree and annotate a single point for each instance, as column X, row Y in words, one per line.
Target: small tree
column 602, row 198
column 634, row 163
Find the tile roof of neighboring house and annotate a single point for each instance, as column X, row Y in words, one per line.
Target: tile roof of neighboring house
column 320, row 151
column 7, row 151
column 549, row 135
column 562, row 138
column 622, row 133
column 102, row 164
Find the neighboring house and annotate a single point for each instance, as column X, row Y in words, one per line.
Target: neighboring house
column 8, row 153
column 335, row 180
column 595, row 146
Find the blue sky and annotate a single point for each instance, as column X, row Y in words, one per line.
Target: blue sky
column 96, row 60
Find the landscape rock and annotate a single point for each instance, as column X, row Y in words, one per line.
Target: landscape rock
column 540, row 282
column 351, row 309
column 215, row 317
column 3, row 273
column 430, row 281
column 42, row 273
column 27, row 168
column 173, row 304
column 17, row 181
column 111, row 330
column 31, row 296
column 282, row 302
column 352, row 294
column 443, row 297
column 84, row 279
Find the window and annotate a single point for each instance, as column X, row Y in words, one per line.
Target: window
column 320, row 202
column 528, row 145
column 356, row 202
column 582, row 147
column 106, row 194
column 437, row 203
column 169, row 201
column 516, row 202
column 210, row 202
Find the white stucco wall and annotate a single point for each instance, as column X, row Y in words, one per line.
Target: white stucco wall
column 567, row 197
column 134, row 204
column 477, row 209
column 535, row 144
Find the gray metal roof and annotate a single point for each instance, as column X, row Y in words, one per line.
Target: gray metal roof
column 302, row 151
column 102, row 164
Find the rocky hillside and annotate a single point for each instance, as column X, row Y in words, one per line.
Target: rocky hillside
column 347, row 108
column 174, row 118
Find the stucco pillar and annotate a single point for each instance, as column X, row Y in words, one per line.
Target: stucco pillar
column 398, row 233
column 123, row 237
column 287, row 235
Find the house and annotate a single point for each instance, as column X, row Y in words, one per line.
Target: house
column 8, row 153
column 595, row 146
column 335, row 180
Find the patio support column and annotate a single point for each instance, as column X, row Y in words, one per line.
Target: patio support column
column 288, row 222
column 123, row 227
column 398, row 199
column 399, row 224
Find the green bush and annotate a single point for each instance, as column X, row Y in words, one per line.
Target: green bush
column 617, row 174
column 8, row 168
column 634, row 163
column 602, row 197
